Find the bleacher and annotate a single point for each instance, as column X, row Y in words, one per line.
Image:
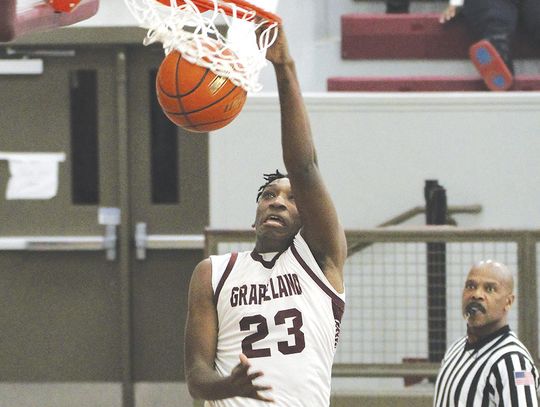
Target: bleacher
column 419, row 37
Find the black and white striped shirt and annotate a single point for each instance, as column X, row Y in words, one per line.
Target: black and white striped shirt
column 495, row 371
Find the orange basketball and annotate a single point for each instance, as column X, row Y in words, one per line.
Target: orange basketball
column 195, row 98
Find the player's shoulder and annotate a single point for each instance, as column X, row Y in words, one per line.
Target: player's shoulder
column 209, row 272
column 215, row 263
column 203, row 270
column 200, row 286
column 204, row 265
column 221, row 261
column 222, row 266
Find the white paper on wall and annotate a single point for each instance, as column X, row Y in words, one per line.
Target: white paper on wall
column 32, row 175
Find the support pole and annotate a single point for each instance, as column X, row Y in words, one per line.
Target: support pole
column 436, row 214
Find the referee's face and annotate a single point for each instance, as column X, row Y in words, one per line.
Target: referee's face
column 487, row 297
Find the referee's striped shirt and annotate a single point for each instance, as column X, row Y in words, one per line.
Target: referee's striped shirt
column 495, row 371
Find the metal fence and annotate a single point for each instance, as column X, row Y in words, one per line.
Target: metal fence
column 403, row 288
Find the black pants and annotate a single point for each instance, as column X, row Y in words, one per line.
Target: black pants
column 398, row 6
column 497, row 21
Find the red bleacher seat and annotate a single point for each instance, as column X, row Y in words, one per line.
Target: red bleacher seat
column 417, row 36
column 412, row 36
column 425, row 84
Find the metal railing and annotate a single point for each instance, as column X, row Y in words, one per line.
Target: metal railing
column 107, row 242
column 385, row 327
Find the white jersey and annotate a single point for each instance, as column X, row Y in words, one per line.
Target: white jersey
column 284, row 315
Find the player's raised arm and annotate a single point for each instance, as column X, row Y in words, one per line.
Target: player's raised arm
column 321, row 228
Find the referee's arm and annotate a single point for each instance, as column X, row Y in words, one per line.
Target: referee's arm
column 514, row 381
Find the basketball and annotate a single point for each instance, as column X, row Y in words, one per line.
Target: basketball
column 195, row 98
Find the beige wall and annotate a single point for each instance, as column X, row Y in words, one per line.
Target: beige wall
column 376, row 150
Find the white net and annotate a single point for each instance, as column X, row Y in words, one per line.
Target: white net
column 195, row 34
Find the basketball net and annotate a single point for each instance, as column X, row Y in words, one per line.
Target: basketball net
column 193, row 32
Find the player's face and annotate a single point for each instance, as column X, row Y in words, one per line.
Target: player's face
column 486, row 299
column 277, row 214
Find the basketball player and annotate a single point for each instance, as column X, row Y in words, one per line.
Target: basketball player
column 263, row 326
column 489, row 366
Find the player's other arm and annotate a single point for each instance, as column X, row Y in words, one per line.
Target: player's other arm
column 200, row 347
column 321, row 227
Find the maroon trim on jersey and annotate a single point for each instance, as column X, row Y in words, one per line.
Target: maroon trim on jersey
column 338, row 305
column 266, row 264
column 338, row 308
column 226, row 273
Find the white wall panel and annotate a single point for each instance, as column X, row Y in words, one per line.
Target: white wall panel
column 376, row 150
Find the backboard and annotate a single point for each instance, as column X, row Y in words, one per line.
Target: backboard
column 18, row 17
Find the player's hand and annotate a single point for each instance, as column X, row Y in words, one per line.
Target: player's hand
column 242, row 382
column 448, row 14
column 278, row 53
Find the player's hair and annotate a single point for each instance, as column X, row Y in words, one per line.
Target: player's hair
column 269, row 178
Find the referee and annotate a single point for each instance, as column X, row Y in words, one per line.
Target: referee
column 489, row 366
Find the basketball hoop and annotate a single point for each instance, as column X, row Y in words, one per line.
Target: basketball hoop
column 191, row 27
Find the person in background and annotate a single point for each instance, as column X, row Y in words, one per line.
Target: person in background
column 494, row 23
column 489, row 366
